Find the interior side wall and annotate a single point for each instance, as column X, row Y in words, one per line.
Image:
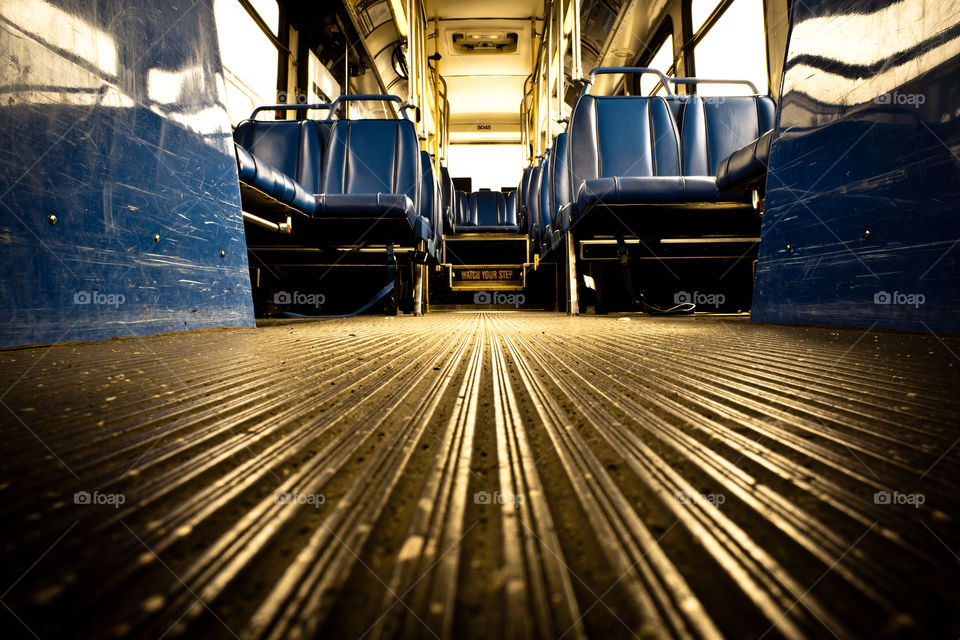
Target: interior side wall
column 119, row 202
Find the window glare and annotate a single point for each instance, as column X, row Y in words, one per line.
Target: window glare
column 734, row 48
column 491, row 166
column 700, row 10
column 249, row 58
column 661, row 61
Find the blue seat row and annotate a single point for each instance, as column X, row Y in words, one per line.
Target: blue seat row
column 627, row 151
column 487, row 211
column 544, row 194
column 366, row 178
column 623, row 158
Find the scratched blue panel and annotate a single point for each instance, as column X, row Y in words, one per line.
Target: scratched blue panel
column 861, row 224
column 112, row 119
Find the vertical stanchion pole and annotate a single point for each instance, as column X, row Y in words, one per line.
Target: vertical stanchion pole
column 573, row 299
column 436, row 98
column 560, row 53
column 411, row 58
column 577, row 60
column 548, row 66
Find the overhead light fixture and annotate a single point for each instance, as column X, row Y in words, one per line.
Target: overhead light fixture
column 484, row 40
column 399, row 17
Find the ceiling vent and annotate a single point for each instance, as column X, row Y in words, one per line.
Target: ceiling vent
column 484, row 41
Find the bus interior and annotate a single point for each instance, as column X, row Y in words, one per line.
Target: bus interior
column 547, row 319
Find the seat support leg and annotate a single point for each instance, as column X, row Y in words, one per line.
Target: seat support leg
column 573, row 301
column 418, row 281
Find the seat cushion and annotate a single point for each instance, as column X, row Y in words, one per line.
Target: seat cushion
column 653, row 190
column 376, row 206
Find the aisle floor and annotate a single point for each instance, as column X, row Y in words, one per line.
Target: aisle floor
column 483, row 475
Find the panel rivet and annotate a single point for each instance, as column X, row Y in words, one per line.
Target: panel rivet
column 52, row 219
column 156, row 237
column 223, row 254
column 866, row 234
column 789, row 247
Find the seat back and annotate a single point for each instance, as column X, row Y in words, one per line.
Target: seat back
column 545, row 209
column 523, row 195
column 560, row 195
column 512, row 208
column 621, row 136
column 463, row 210
column 533, row 203
column 293, row 147
column 373, row 156
column 488, row 208
column 448, row 198
column 711, row 128
column 429, row 192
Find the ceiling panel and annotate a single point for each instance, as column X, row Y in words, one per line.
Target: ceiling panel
column 485, row 85
column 496, row 96
column 484, row 8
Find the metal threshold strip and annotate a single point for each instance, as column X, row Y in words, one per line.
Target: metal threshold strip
column 488, row 474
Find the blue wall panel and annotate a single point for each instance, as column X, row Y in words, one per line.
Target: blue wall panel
column 112, row 120
column 863, row 193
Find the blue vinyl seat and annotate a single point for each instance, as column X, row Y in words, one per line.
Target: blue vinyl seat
column 534, row 223
column 523, row 195
column 372, row 171
column 628, row 154
column 430, row 197
column 279, row 162
column 545, row 213
column 746, row 167
column 713, row 128
column 555, row 196
column 488, row 212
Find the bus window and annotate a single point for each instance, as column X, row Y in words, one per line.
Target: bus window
column 662, row 61
column 700, row 10
column 249, row 58
column 734, row 47
column 492, row 166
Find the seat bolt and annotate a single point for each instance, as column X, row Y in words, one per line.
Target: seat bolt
column 156, row 237
column 223, row 254
column 866, row 234
column 52, row 219
column 789, row 247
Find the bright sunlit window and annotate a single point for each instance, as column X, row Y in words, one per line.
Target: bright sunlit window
column 249, row 58
column 700, row 10
column 491, row 166
column 661, row 61
column 734, row 48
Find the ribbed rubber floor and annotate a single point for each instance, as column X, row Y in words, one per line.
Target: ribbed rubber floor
column 484, row 475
